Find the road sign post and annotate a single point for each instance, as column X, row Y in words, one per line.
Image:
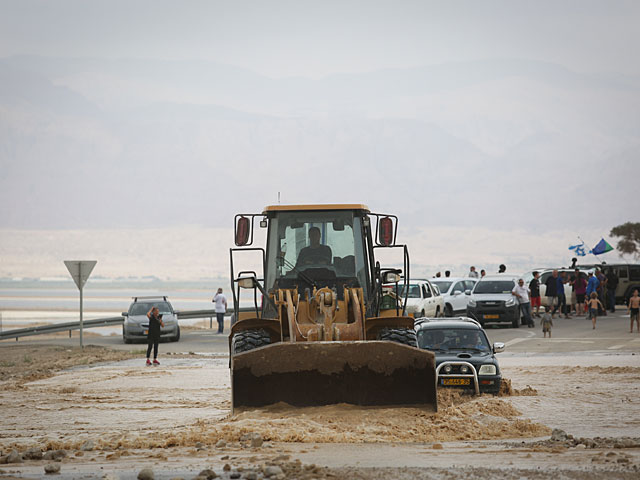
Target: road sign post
column 80, row 271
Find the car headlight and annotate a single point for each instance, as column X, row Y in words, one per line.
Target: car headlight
column 487, row 370
column 472, row 303
column 510, row 303
column 447, row 369
column 464, row 369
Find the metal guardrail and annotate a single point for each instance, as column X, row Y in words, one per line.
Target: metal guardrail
column 60, row 327
column 195, row 314
column 100, row 322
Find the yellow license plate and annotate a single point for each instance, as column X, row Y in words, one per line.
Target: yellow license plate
column 491, row 316
column 456, row 381
column 146, row 332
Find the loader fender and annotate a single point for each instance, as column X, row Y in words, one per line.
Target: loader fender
column 373, row 326
column 271, row 326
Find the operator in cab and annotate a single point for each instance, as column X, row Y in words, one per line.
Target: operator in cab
column 315, row 253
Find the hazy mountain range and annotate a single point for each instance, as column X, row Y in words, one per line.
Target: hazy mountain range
column 94, row 143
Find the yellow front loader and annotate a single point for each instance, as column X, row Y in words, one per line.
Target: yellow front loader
column 322, row 329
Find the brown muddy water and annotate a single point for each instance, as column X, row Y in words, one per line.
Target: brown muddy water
column 175, row 418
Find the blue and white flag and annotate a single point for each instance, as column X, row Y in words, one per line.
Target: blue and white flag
column 579, row 249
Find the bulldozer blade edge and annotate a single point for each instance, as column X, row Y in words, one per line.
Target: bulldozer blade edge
column 324, row 373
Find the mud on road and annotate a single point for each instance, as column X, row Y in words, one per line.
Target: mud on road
column 110, row 413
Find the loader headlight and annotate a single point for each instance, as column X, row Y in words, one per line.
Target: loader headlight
column 446, row 369
column 487, row 370
column 464, row 369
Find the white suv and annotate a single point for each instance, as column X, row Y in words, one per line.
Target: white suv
column 456, row 292
column 423, row 300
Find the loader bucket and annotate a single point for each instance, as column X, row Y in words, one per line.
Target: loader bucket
column 324, row 373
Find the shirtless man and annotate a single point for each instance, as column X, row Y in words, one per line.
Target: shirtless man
column 634, row 308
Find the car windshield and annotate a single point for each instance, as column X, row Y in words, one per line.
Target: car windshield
column 141, row 308
column 494, row 286
column 414, row 291
column 443, row 285
column 444, row 339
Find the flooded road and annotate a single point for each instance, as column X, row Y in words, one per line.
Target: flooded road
column 175, row 419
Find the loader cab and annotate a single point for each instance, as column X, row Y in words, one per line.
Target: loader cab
column 317, row 247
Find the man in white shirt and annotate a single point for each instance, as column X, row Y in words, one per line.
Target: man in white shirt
column 473, row 273
column 522, row 294
column 221, row 308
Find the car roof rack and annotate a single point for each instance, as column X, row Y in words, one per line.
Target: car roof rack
column 421, row 320
column 149, row 297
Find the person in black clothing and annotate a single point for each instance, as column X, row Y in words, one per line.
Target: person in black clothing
column 552, row 292
column 612, row 285
column 315, row 253
column 153, row 335
column 502, row 268
column 534, row 286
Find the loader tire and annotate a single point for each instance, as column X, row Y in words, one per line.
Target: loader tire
column 406, row 336
column 250, row 339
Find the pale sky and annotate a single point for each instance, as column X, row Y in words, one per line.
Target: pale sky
column 313, row 38
column 489, row 116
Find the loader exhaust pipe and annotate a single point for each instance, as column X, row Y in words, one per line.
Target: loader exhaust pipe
column 324, row 373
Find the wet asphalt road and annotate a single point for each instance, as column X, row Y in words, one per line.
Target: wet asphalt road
column 568, row 335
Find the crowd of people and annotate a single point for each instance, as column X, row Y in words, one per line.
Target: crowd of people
column 591, row 296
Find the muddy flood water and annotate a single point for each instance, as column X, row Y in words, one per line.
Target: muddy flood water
column 112, row 416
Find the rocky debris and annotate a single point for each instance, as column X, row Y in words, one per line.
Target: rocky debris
column 437, row 446
column 32, row 454
column 282, row 458
column 251, row 476
column 221, row 443
column 14, row 457
column 256, row 440
column 208, row 474
column 51, row 468
column 88, row 446
column 226, row 467
column 146, row 474
column 199, row 445
column 56, row 455
column 110, row 476
column 558, row 435
column 272, row 471
column 235, row 475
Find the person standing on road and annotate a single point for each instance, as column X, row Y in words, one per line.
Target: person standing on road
column 562, row 297
column 522, row 294
column 594, row 306
column 552, row 292
column 482, row 273
column 546, row 322
column 572, row 282
column 634, row 308
column 612, row 285
column 580, row 285
column 447, row 273
column 592, row 287
column 472, row 272
column 153, row 334
column 534, row 288
column 602, row 292
column 502, row 268
column 221, row 308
